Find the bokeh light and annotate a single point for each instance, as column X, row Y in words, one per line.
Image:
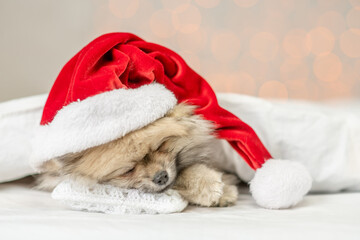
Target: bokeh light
column 299, row 88
column 350, row 43
column 333, row 21
column 186, row 18
column 245, row 3
column 293, row 69
column 195, row 41
column 336, row 89
column 257, row 69
column 357, row 68
column 328, row 67
column 297, row 43
column 225, row 46
column 273, row 89
column 275, row 22
column 264, row 46
column 240, row 82
column 173, row 4
column 207, row 3
column 349, row 75
column 335, row 5
column 355, row 3
column 353, row 17
column 191, row 59
column 322, row 40
column 218, row 82
column 123, row 8
column 314, row 91
column 209, row 66
column 306, row 49
column 160, row 23
column 284, row 6
column 243, row 83
column 109, row 22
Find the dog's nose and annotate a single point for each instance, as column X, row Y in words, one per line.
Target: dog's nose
column 161, row 178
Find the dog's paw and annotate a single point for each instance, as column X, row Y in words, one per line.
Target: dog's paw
column 200, row 185
column 229, row 196
column 210, row 191
column 204, row 186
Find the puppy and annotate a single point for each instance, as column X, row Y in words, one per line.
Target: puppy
column 172, row 152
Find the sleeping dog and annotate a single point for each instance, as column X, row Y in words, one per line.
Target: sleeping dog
column 172, row 152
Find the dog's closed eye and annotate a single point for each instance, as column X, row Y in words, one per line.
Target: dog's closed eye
column 167, row 144
column 121, row 172
column 128, row 172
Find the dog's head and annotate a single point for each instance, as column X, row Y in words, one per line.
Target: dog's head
column 148, row 158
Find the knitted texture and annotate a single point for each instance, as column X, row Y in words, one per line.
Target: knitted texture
column 109, row 199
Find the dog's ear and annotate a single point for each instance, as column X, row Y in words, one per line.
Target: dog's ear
column 52, row 165
column 181, row 110
column 63, row 163
column 165, row 131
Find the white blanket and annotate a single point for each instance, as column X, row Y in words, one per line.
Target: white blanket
column 325, row 139
column 18, row 121
column 31, row 214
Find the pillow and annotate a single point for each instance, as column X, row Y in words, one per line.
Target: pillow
column 18, row 121
column 114, row 200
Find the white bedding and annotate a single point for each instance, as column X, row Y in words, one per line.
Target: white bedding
column 325, row 137
column 32, row 214
column 326, row 140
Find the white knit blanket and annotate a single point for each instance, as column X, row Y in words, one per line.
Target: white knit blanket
column 109, row 199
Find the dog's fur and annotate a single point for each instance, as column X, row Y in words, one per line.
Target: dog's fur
column 178, row 143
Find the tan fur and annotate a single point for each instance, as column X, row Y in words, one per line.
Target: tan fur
column 177, row 143
column 204, row 186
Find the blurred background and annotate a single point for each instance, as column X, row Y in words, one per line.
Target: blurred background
column 288, row 49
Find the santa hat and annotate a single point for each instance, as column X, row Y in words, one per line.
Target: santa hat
column 119, row 83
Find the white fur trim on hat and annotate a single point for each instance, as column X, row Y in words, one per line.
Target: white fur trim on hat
column 100, row 119
column 280, row 184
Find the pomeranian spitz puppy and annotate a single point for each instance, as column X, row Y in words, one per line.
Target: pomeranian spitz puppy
column 172, row 152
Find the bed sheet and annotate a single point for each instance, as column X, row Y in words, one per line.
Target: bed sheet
column 26, row 213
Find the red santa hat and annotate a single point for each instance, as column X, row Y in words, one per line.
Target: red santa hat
column 119, row 83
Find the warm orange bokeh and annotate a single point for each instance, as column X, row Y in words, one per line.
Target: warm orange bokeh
column 322, row 41
column 264, row 46
column 350, row 43
column 333, row 21
column 186, row 18
column 207, row 3
column 225, row 46
column 273, row 89
column 160, row 23
column 123, row 8
column 293, row 69
column 273, row 49
column 328, row 67
column 195, row 41
column 353, row 18
column 245, row 3
column 297, row 43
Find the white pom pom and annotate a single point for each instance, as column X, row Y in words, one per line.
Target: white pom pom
column 280, row 184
